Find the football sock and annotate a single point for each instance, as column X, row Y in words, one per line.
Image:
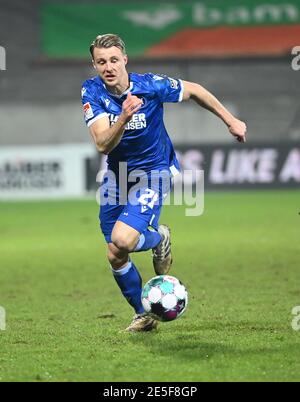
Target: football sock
column 130, row 283
column 148, row 239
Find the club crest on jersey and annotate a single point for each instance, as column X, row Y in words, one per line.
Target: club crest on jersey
column 145, row 102
column 88, row 111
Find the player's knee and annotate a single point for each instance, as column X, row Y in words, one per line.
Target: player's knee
column 114, row 260
column 116, row 257
column 123, row 242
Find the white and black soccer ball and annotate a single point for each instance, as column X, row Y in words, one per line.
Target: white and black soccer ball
column 165, row 298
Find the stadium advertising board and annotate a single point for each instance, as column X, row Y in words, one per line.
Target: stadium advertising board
column 72, row 170
column 229, row 166
column 250, row 166
column 43, row 171
column 174, row 29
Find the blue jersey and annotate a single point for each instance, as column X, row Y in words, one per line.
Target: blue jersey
column 145, row 143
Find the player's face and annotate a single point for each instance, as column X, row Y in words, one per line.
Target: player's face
column 110, row 64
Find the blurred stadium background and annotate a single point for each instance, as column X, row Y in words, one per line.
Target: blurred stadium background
column 241, row 51
column 239, row 261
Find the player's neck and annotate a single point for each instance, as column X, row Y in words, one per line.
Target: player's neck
column 120, row 87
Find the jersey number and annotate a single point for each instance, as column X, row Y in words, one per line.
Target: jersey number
column 148, row 198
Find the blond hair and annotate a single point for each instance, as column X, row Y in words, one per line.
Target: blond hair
column 106, row 41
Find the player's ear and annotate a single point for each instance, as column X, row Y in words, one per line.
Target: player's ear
column 125, row 59
column 93, row 63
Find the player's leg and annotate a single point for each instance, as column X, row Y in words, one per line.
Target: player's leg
column 162, row 256
column 144, row 216
column 130, row 233
column 123, row 240
column 123, row 270
column 160, row 242
column 120, row 242
column 130, row 284
column 125, row 237
column 127, row 275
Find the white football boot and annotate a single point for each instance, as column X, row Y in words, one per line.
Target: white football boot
column 142, row 323
column 162, row 256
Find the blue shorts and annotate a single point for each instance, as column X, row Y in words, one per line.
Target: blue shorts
column 137, row 205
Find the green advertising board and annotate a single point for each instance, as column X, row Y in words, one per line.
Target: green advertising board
column 67, row 30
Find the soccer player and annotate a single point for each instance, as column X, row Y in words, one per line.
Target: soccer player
column 124, row 113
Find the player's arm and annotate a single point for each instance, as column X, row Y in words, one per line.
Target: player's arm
column 207, row 100
column 107, row 137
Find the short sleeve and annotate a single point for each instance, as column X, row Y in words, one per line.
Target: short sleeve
column 168, row 89
column 92, row 108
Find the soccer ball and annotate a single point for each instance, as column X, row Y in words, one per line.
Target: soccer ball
column 164, row 297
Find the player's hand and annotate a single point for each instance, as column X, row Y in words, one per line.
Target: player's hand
column 238, row 129
column 130, row 106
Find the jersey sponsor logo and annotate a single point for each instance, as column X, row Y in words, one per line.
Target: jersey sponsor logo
column 137, row 122
column 88, row 111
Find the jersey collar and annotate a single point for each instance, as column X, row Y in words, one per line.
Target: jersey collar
column 122, row 94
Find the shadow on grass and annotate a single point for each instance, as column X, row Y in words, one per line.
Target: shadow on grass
column 194, row 343
column 183, row 349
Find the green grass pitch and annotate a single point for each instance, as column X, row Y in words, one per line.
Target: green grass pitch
column 240, row 262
